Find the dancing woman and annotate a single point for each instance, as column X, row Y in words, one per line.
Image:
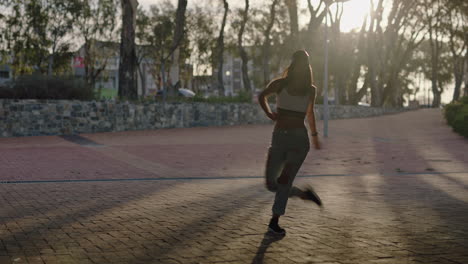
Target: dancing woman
column 295, row 96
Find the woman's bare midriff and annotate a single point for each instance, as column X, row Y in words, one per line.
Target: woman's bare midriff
column 285, row 122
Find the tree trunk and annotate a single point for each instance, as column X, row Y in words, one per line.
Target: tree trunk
column 436, row 99
column 372, row 65
column 220, row 53
column 293, row 24
column 434, row 78
column 91, row 73
column 178, row 36
column 465, row 91
column 243, row 54
column 163, row 81
column 338, row 70
column 87, row 62
column 356, row 68
column 459, row 62
column 266, row 44
column 315, row 18
column 363, row 90
column 376, row 93
column 128, row 61
column 435, row 44
column 174, row 72
column 459, row 69
column 143, row 80
column 51, row 64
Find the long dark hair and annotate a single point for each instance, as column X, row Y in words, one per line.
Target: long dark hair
column 300, row 58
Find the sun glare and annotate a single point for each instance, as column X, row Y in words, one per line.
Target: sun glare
column 355, row 11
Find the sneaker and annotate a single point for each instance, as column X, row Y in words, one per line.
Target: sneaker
column 274, row 228
column 310, row 194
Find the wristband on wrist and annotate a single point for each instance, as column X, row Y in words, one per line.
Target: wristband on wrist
column 314, row 134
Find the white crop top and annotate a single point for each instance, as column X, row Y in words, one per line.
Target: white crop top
column 290, row 102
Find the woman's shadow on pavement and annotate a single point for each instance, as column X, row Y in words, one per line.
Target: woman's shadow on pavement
column 268, row 239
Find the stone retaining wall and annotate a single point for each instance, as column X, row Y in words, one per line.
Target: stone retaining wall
column 58, row 117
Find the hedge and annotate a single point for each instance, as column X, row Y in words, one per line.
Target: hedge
column 456, row 114
column 47, row 87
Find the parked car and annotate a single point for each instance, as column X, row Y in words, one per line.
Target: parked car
column 186, row 92
column 183, row 92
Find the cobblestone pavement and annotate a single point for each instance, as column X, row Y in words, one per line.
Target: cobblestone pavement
column 394, row 189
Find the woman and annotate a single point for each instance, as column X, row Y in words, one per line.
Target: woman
column 295, row 95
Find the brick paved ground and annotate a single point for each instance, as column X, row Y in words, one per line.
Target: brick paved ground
column 394, row 188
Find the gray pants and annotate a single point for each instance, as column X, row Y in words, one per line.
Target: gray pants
column 288, row 150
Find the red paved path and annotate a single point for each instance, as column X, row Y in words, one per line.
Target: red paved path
column 394, row 188
column 411, row 142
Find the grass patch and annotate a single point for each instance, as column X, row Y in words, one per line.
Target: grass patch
column 107, row 93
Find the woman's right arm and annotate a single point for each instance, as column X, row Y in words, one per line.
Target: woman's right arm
column 271, row 89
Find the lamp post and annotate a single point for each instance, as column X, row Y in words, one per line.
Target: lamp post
column 325, row 70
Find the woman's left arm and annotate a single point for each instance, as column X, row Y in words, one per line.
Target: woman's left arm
column 311, row 119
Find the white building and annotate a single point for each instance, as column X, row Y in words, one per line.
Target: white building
column 108, row 53
column 232, row 78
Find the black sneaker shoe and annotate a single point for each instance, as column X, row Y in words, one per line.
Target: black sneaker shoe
column 311, row 195
column 274, row 228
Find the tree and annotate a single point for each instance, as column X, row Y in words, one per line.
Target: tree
column 35, row 32
column 375, row 19
column 143, row 49
column 358, row 57
column 178, row 37
column 294, row 42
column 338, row 69
column 219, row 56
column 242, row 52
column 61, row 15
column 455, row 23
column 17, row 42
column 269, row 32
column 434, row 14
column 401, row 37
column 95, row 25
column 266, row 43
column 317, row 14
column 159, row 40
column 389, row 47
column 128, row 61
column 202, row 37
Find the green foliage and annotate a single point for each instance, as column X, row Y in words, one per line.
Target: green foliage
column 460, row 123
column 456, row 114
column 48, row 87
column 36, row 31
column 107, row 93
column 450, row 112
column 201, row 32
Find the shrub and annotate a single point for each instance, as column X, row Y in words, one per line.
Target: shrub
column 48, row 87
column 456, row 114
column 460, row 123
column 451, row 111
column 6, row 92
